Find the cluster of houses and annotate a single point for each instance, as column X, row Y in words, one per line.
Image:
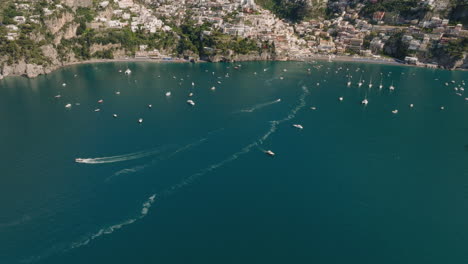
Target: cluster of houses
column 346, row 33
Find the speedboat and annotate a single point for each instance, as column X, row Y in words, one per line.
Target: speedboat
column 100, row 101
column 190, row 102
column 313, row 108
column 442, row 108
column 128, row 72
column 57, row 96
column 140, row 120
column 168, row 94
column 365, row 102
column 97, row 110
column 68, row 105
column 190, row 94
column 340, row 98
column 115, row 115
column 395, row 111
column 348, row 83
column 150, row 106
column 213, row 88
column 64, row 84
column 79, row 160
column 117, row 93
column 281, row 78
column 298, row 126
column 411, row 105
column 270, row 153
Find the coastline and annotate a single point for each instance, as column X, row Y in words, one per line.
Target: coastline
column 332, row 58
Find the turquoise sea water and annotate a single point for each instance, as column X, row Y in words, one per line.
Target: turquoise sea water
column 358, row 184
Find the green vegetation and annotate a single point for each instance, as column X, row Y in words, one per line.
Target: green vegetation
column 395, row 47
column 408, row 9
column 294, row 10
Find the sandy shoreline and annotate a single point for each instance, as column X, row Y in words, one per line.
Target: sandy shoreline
column 308, row 59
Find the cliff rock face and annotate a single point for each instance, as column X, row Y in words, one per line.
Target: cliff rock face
column 22, row 68
column 78, row 3
column 56, row 24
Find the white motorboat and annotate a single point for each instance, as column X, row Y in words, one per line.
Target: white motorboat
column 150, row 106
column 270, row 153
column 395, row 111
column 168, row 94
column 213, row 88
column 100, row 101
column 340, row 98
column 190, row 94
column 68, row 105
column 365, row 102
column 128, row 72
column 97, row 110
column 313, row 108
column 190, row 102
column 64, row 84
column 411, row 105
column 115, row 115
column 57, row 96
column 117, row 93
column 298, row 126
column 140, row 120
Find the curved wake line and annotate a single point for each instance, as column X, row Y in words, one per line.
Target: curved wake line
column 110, row 229
column 188, row 180
column 154, row 161
column 246, row 149
column 259, row 106
column 120, row 158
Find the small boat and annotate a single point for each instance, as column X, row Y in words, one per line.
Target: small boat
column 190, row 94
column 140, row 120
column 213, row 88
column 193, row 84
column 298, row 126
column 120, row 70
column 411, row 105
column 395, row 111
column 57, row 96
column 360, row 82
column 365, row 102
column 281, row 78
column 442, row 108
column 340, row 98
column 219, row 82
column 348, row 83
column 270, row 153
column 128, row 72
column 100, row 101
column 78, row 160
column 380, row 85
column 370, row 83
column 150, row 106
column 168, row 94
column 97, row 110
column 117, row 93
column 64, row 84
column 313, row 108
column 68, row 105
column 115, row 115
column 190, row 102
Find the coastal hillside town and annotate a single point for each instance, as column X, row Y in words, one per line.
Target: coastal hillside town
column 38, row 36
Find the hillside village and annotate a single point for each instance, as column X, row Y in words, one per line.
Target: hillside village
column 37, row 37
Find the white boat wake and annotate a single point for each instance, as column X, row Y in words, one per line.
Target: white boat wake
column 259, row 106
column 120, row 158
column 110, row 229
column 188, row 180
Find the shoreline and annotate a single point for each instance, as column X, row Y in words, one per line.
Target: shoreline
column 333, row 58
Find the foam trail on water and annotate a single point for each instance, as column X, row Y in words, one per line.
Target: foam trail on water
column 274, row 124
column 148, row 203
column 110, row 229
column 154, row 161
column 246, row 149
column 120, row 158
column 259, row 106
